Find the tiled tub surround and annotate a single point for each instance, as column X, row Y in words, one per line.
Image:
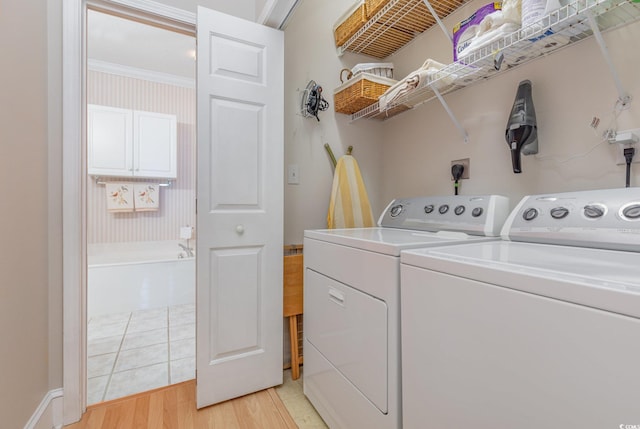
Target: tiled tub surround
column 137, row 351
column 127, row 277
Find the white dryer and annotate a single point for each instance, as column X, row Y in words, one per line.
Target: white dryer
column 352, row 302
column 541, row 330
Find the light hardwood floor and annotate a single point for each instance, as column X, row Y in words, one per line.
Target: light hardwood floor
column 174, row 407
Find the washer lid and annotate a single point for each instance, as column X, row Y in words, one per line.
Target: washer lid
column 604, row 279
column 390, row 241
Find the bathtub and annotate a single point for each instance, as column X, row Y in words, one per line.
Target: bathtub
column 125, row 277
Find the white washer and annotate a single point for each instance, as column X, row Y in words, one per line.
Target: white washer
column 523, row 334
column 351, row 303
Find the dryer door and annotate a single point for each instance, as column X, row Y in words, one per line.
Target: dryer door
column 350, row 329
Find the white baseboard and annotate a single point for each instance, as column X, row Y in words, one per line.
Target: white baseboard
column 48, row 415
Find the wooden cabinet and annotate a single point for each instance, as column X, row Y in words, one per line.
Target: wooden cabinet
column 131, row 143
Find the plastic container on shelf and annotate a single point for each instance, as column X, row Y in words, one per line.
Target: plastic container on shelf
column 378, row 69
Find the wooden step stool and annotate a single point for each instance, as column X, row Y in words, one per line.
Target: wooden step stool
column 293, row 302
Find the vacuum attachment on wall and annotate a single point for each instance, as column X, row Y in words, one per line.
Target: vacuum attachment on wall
column 522, row 130
column 312, row 101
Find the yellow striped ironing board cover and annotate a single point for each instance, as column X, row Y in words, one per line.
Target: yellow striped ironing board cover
column 349, row 205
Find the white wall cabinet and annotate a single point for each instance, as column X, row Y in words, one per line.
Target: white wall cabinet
column 131, row 143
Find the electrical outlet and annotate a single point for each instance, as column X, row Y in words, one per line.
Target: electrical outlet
column 465, row 162
column 620, row 147
column 620, row 160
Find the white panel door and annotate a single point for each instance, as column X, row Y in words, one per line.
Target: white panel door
column 240, row 207
column 109, row 141
column 155, row 145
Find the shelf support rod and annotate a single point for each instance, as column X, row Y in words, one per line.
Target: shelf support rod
column 460, row 128
column 623, row 97
column 438, row 20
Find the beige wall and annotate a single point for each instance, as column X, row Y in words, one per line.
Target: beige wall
column 310, row 54
column 410, row 154
column 54, row 32
column 23, row 185
column 570, row 87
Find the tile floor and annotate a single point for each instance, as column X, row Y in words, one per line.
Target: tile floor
column 134, row 352
column 292, row 395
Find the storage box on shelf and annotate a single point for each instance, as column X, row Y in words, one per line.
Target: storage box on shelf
column 359, row 92
column 350, row 23
column 560, row 28
column 378, row 69
column 374, row 6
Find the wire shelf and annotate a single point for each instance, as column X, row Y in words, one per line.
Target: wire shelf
column 557, row 30
column 395, row 25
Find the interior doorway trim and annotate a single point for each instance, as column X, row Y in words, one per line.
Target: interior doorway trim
column 74, row 178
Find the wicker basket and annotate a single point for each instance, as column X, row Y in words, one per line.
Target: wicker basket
column 360, row 92
column 350, row 23
column 373, row 6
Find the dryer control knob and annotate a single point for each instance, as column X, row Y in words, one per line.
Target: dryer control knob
column 443, row 209
column 530, row 214
column 594, row 211
column 459, row 210
column 559, row 212
column 477, row 212
column 428, row 209
column 396, row 210
column 632, row 211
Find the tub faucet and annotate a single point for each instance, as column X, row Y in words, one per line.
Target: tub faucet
column 187, row 249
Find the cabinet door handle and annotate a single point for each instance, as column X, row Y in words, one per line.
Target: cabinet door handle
column 336, row 296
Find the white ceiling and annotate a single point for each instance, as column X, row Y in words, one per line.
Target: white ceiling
column 129, row 43
column 120, row 41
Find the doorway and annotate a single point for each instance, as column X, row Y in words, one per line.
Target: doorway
column 237, row 104
column 140, row 258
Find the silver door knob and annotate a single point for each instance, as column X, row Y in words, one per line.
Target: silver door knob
column 240, row 229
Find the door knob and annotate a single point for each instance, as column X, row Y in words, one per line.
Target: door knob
column 240, row 229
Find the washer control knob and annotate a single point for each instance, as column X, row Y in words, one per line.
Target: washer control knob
column 459, row 210
column 632, row 211
column 559, row 212
column 594, row 211
column 396, row 210
column 477, row 212
column 530, row 214
column 428, row 209
column 443, row 209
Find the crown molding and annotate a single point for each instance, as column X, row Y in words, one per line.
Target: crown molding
column 151, row 12
column 137, row 73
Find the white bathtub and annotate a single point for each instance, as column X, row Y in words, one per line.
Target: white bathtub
column 124, row 277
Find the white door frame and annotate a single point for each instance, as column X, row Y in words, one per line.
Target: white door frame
column 74, row 178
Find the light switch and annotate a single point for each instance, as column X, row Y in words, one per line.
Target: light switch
column 293, row 174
